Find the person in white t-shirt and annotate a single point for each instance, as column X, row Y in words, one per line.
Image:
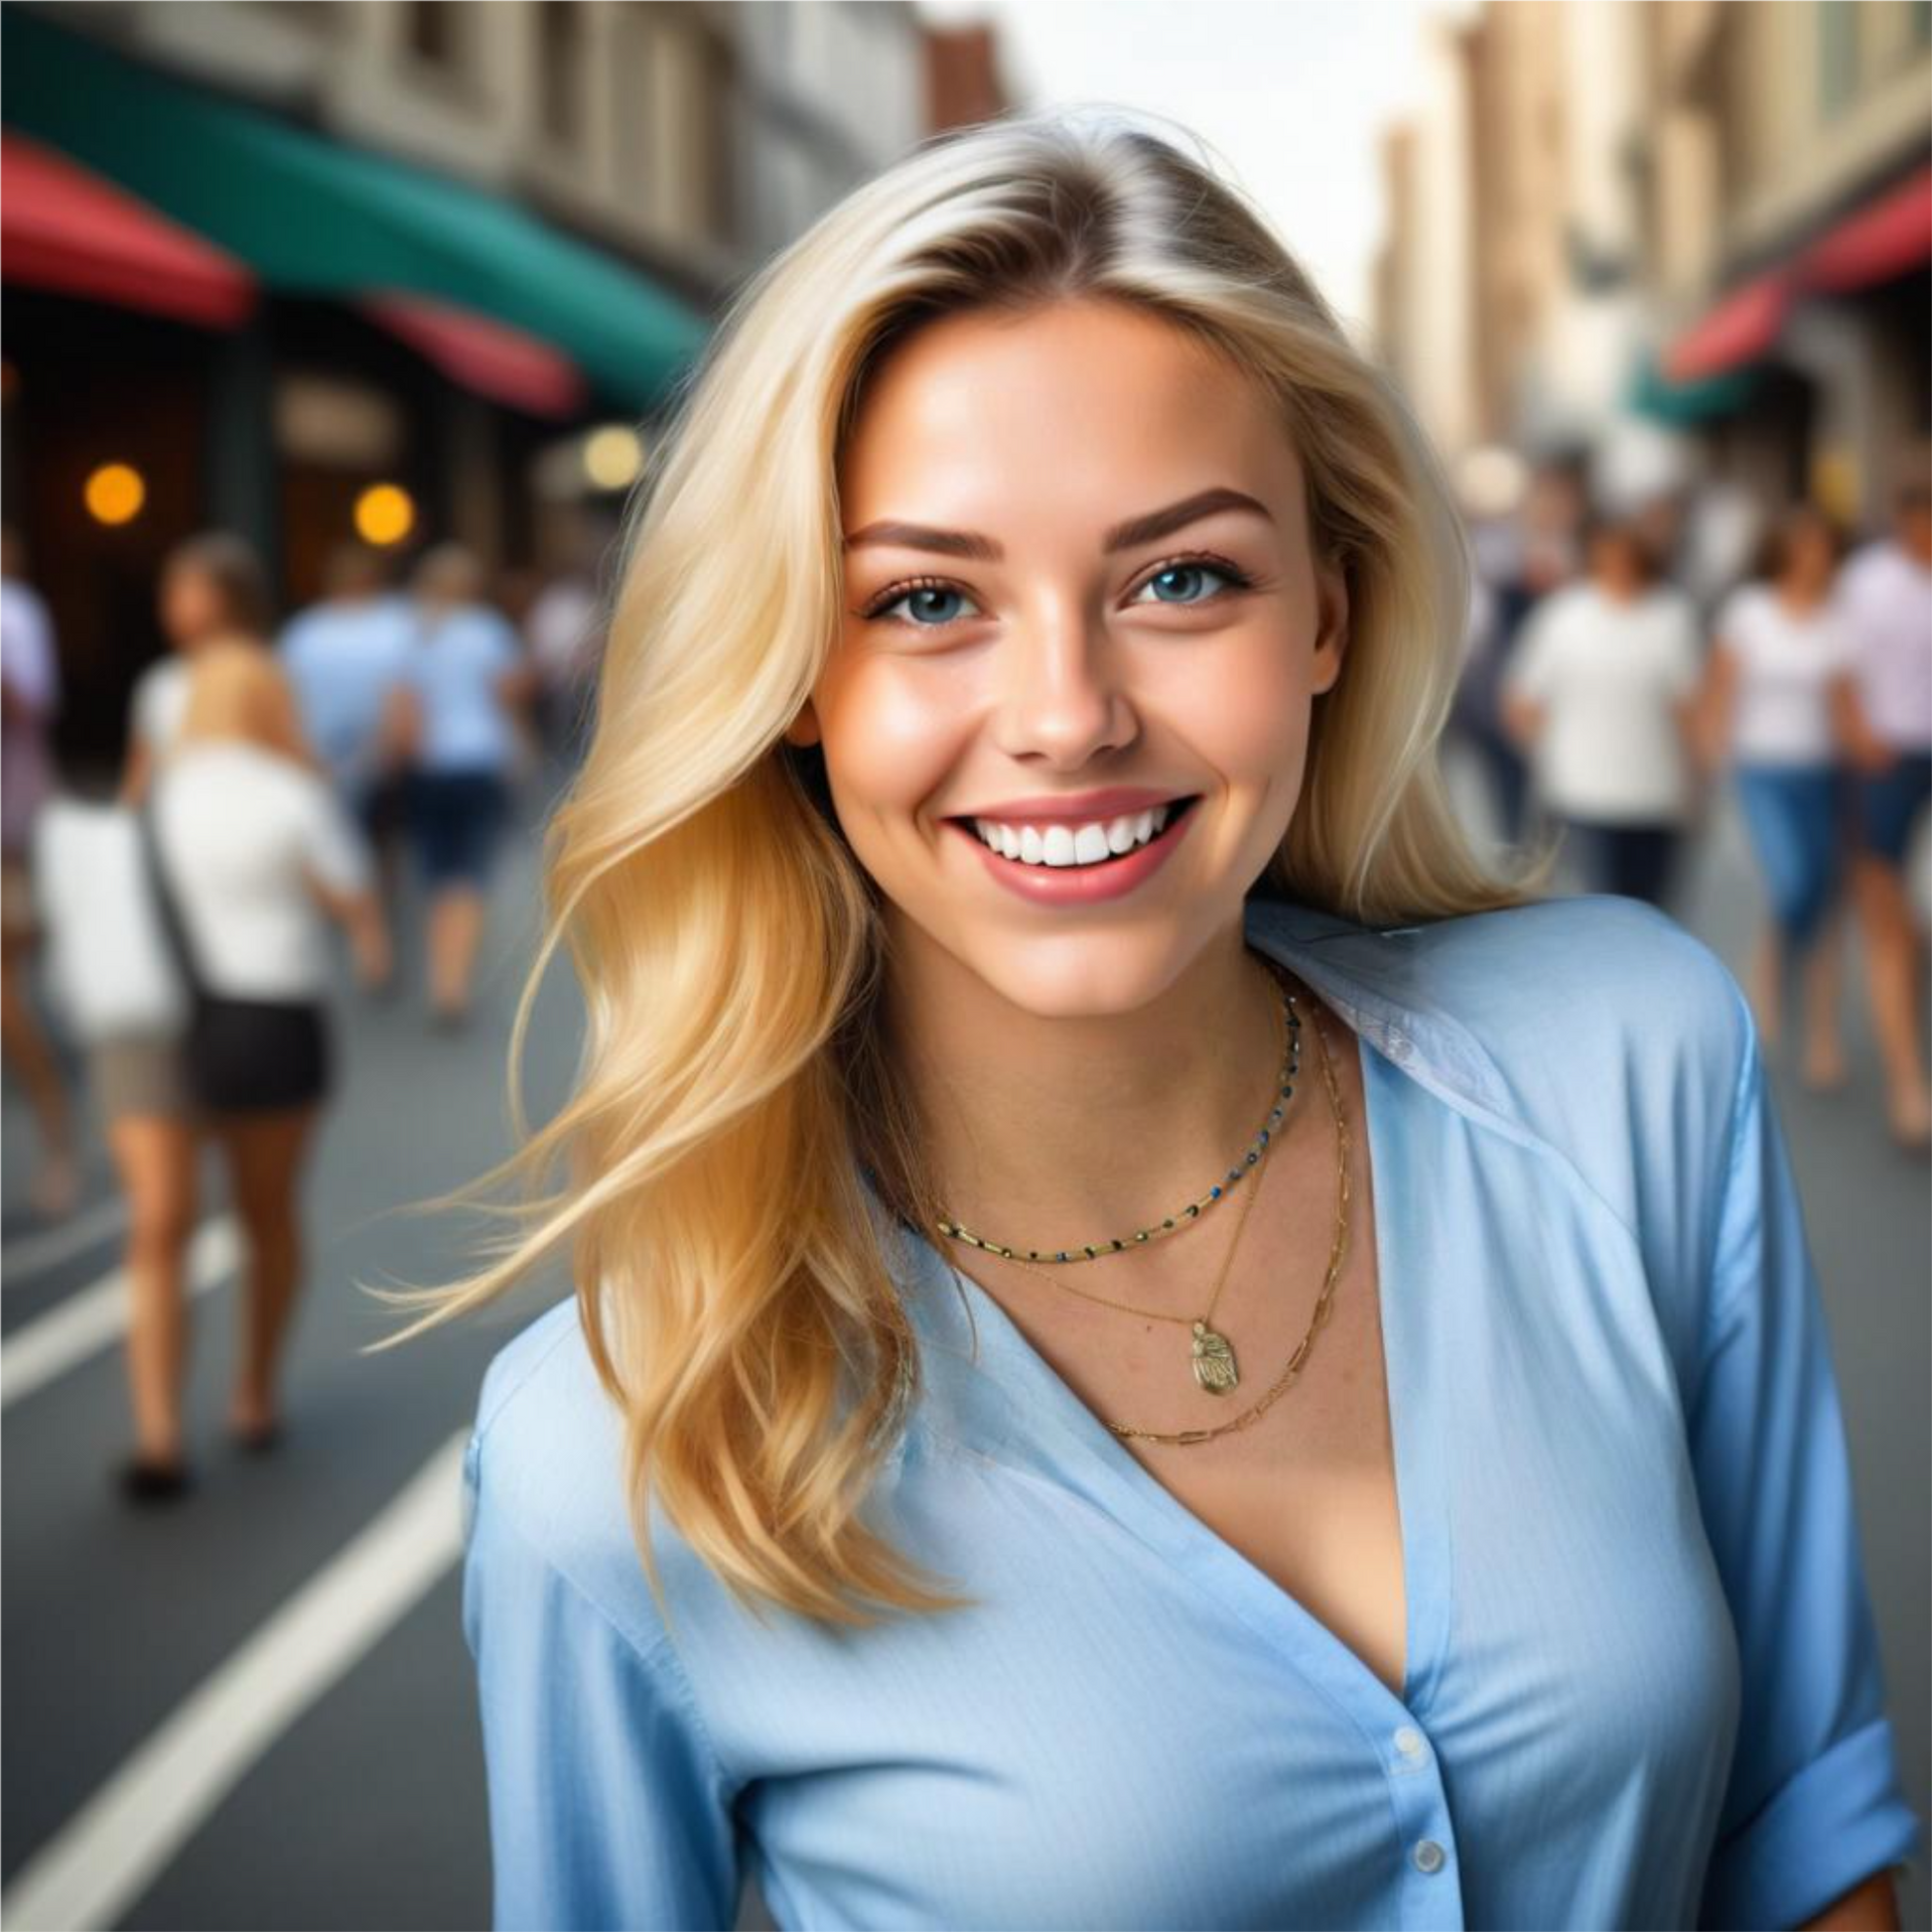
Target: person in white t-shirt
column 1781, row 666
column 1601, row 687
column 212, row 590
column 256, row 855
column 1886, row 592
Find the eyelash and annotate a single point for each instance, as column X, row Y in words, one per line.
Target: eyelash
column 1238, row 580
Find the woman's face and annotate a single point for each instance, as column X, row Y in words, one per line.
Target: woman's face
column 192, row 606
column 1810, row 559
column 1078, row 590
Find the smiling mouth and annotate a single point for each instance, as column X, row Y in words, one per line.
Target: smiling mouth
column 1089, row 847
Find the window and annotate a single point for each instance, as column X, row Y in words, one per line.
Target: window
column 560, row 46
column 1838, row 55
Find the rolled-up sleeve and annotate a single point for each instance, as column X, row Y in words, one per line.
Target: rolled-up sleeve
column 606, row 1806
column 1814, row 1805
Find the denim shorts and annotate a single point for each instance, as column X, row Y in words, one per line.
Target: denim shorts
column 455, row 817
column 1888, row 804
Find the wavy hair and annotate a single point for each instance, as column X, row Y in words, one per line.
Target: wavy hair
column 736, row 1291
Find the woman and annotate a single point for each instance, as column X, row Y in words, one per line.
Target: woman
column 1010, row 835
column 1601, row 689
column 212, row 590
column 1780, row 668
column 468, row 676
column 251, row 856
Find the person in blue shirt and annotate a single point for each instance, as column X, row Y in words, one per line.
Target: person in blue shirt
column 468, row 680
column 1153, row 1345
column 346, row 655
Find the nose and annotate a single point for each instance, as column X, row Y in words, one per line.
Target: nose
column 1061, row 695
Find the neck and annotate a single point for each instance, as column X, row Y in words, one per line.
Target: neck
column 1049, row 1130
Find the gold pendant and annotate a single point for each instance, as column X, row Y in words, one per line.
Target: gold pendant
column 1214, row 1367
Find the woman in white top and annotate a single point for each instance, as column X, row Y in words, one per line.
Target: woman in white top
column 256, row 854
column 1779, row 676
column 212, row 590
column 1601, row 688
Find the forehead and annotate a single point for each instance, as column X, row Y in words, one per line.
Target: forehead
column 1089, row 401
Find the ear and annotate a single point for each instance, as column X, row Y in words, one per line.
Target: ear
column 803, row 728
column 1332, row 626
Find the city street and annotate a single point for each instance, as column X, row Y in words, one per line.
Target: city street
column 256, row 1709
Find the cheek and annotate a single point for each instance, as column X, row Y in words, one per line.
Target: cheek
column 1245, row 715
column 893, row 731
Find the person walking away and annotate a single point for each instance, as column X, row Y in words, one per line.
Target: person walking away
column 470, row 680
column 212, row 589
column 1772, row 687
column 1887, row 724
column 29, row 696
column 347, row 657
column 1601, row 688
column 111, row 981
column 254, row 855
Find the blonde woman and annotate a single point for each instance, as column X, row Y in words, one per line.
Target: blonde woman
column 1151, row 1346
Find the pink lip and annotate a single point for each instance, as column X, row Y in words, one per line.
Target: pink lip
column 1081, row 885
column 1074, row 808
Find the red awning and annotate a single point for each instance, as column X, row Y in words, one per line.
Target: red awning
column 488, row 356
column 64, row 228
column 1892, row 235
column 1738, row 331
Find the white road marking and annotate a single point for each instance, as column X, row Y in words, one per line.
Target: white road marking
column 92, row 1318
column 101, row 1861
column 34, row 1252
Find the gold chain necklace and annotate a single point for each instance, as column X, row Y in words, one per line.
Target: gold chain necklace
column 1291, row 1065
column 1216, row 1368
column 1323, row 1302
column 1189, row 1436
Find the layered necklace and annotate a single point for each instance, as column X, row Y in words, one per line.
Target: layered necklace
column 1212, row 1358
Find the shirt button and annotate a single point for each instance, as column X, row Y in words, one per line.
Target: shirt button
column 1428, row 1855
column 1408, row 1741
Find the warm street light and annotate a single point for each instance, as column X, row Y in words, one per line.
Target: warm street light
column 114, row 492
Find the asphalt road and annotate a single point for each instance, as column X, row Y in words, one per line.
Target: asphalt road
column 257, row 1711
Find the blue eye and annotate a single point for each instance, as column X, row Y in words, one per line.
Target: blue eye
column 1186, row 574
column 922, row 598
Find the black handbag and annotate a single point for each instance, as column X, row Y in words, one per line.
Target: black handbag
column 239, row 1056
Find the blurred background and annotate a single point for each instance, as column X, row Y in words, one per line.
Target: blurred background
column 335, row 333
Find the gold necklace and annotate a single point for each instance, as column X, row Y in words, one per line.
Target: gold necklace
column 1216, row 1368
column 1186, row 1437
column 1291, row 1065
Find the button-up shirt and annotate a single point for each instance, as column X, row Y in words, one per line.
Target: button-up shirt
column 1642, row 1683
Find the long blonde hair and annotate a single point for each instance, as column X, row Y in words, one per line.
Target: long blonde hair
column 736, row 1297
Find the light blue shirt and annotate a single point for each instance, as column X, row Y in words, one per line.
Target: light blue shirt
column 455, row 666
column 343, row 659
column 1643, row 1685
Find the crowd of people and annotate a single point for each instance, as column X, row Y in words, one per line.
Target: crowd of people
column 275, row 783
column 1607, row 697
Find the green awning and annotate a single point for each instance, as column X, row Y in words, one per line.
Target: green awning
column 313, row 216
column 1684, row 404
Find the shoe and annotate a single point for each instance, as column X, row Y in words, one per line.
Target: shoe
column 56, row 1188
column 144, row 1481
column 450, row 1019
column 259, row 1439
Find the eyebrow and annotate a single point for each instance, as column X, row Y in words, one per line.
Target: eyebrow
column 1134, row 531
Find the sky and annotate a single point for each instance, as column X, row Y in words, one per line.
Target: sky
column 1291, row 95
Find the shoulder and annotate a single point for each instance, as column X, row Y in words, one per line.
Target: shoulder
column 545, row 1471
column 1743, row 608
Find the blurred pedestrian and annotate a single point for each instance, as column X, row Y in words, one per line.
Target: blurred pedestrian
column 1886, row 592
column 565, row 634
column 470, row 680
column 1601, row 690
column 247, row 853
column 213, row 588
column 1781, row 656
column 30, row 697
column 1519, row 562
column 347, row 657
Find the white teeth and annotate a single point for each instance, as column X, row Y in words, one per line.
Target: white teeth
column 1062, row 844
